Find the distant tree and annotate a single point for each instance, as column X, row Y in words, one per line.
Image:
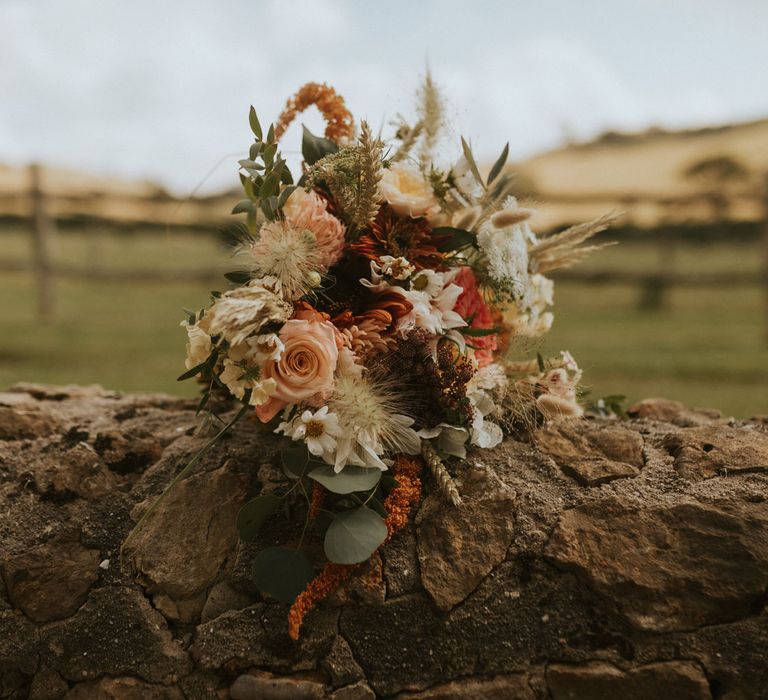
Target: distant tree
column 718, row 177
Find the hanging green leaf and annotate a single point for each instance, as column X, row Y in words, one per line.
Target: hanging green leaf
column 253, row 120
column 349, row 480
column 313, row 148
column 354, row 535
column 449, row 238
column 478, row 332
column 254, row 514
column 192, row 372
column 282, row 573
column 499, row 164
column 294, row 460
column 238, row 277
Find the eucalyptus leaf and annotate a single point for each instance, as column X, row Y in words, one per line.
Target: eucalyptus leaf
column 313, row 148
column 243, row 206
column 471, row 160
column 254, row 150
column 499, row 164
column 348, row 480
column 253, row 120
column 354, row 535
column 192, row 372
column 294, row 461
column 282, row 573
column 269, row 186
column 254, row 514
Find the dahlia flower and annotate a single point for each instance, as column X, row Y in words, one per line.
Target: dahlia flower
column 307, row 210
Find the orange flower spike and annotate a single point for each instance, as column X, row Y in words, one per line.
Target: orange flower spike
column 338, row 119
column 407, row 492
column 320, row 587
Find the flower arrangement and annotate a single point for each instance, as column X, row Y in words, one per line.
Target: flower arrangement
column 372, row 323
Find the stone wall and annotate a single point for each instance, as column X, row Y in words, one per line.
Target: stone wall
column 612, row 559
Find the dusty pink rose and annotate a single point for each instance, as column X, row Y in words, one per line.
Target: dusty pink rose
column 304, row 372
column 307, row 210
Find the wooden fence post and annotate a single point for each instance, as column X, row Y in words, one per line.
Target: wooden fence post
column 42, row 233
column 765, row 253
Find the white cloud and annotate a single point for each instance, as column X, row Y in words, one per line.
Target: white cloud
column 161, row 89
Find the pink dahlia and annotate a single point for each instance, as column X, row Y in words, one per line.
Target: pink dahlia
column 473, row 309
column 307, row 210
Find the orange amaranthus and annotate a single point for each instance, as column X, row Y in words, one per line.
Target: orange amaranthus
column 340, row 124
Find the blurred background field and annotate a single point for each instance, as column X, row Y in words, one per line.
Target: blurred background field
column 704, row 345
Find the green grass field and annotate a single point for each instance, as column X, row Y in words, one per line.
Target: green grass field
column 706, row 347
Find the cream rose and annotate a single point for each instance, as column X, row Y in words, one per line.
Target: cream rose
column 407, row 192
column 304, row 372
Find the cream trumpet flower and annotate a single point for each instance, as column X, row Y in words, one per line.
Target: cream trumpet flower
column 238, row 380
column 435, row 313
column 198, row 345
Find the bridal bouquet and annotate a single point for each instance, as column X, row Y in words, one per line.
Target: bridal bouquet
column 373, row 323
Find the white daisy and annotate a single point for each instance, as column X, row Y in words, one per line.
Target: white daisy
column 319, row 430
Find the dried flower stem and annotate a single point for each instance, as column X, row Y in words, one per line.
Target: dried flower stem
column 444, row 480
column 367, row 204
column 431, row 116
column 564, row 249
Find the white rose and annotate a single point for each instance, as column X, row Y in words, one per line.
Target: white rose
column 407, row 192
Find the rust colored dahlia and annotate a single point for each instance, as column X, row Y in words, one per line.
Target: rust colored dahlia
column 400, row 236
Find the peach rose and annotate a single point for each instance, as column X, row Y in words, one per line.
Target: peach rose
column 304, row 372
column 407, row 192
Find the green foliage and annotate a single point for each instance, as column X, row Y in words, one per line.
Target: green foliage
column 499, row 164
column 261, row 175
column 451, row 239
column 349, row 480
column 608, row 406
column 472, row 163
column 254, row 514
column 282, row 573
column 313, row 148
column 294, row 460
column 354, row 535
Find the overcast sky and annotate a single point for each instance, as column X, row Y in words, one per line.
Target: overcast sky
column 160, row 88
